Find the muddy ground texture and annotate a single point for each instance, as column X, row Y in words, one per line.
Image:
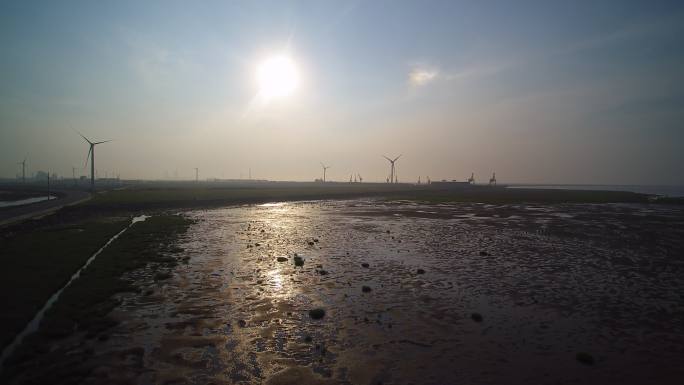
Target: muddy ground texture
column 410, row 293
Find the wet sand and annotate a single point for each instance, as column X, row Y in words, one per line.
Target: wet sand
column 547, row 281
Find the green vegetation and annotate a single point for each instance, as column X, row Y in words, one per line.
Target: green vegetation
column 189, row 196
column 84, row 306
column 37, row 263
column 515, row 195
column 174, row 196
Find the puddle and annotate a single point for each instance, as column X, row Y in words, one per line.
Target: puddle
column 26, row 201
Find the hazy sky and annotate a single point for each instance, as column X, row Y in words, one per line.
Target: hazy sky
column 536, row 91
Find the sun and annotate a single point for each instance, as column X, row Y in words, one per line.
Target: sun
column 277, row 77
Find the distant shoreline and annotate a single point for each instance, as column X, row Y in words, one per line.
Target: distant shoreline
column 662, row 190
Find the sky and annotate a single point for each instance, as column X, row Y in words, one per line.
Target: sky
column 536, row 91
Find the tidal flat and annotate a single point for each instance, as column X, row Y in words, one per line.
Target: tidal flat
column 369, row 291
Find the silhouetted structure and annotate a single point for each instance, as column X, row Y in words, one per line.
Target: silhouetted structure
column 23, row 170
column 91, row 153
column 471, row 180
column 325, row 168
column 392, row 178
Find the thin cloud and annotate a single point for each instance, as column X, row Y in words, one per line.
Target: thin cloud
column 419, row 76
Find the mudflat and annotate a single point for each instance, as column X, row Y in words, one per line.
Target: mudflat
column 394, row 291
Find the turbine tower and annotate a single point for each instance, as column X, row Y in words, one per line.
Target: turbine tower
column 325, row 168
column 392, row 179
column 91, row 153
column 23, row 170
column 492, row 180
column 196, row 174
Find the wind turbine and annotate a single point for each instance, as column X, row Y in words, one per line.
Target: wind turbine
column 23, row 170
column 91, row 153
column 392, row 179
column 325, row 168
column 196, row 174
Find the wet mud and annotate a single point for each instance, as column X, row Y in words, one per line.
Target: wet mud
column 410, row 294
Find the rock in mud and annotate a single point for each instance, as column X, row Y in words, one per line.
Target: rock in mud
column 477, row 317
column 364, row 265
column 242, row 323
column 366, row 289
column 322, row 272
column 420, row 271
column 317, row 313
column 484, row 254
column 585, row 358
column 282, row 259
column 298, row 261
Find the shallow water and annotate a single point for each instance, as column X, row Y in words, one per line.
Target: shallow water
column 549, row 281
column 26, row 201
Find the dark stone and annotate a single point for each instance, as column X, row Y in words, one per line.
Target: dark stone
column 364, row 265
column 477, row 317
column 282, row 259
column 317, row 313
column 420, row 271
column 366, row 289
column 585, row 358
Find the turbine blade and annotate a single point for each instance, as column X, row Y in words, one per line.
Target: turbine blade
column 386, row 158
column 84, row 138
column 104, row 141
column 395, row 159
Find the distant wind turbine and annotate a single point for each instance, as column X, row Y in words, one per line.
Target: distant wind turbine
column 392, row 179
column 196, row 174
column 91, row 153
column 325, row 168
column 23, row 170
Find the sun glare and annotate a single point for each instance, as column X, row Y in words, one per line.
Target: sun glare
column 277, row 77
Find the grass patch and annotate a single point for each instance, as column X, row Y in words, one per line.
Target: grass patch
column 38, row 263
column 520, row 195
column 84, row 306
